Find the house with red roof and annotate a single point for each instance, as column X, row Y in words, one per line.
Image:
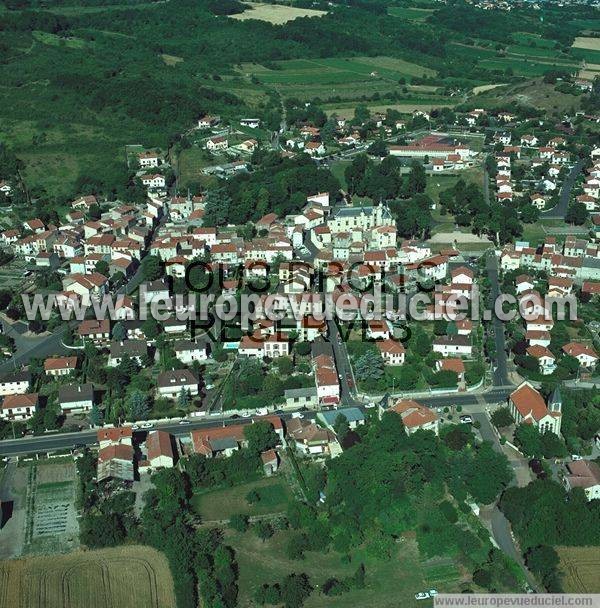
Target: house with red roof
column 585, row 354
column 59, row 366
column 19, row 407
column 415, row 416
column 392, row 351
column 527, row 406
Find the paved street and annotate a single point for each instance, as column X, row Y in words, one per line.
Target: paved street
column 559, row 212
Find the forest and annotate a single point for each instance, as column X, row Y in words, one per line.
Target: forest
column 80, row 81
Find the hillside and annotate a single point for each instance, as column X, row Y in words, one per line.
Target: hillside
column 80, row 80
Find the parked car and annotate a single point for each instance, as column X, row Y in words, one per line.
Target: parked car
column 262, row 411
column 576, row 457
column 135, row 427
column 146, row 425
column 184, row 421
column 422, row 595
column 432, row 592
column 466, row 419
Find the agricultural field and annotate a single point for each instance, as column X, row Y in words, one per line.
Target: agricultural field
column 51, row 520
column 390, row 583
column 579, row 568
column 410, row 13
column 336, row 71
column 120, row 578
column 584, row 42
column 221, row 504
column 347, row 111
column 535, row 92
column 275, row 13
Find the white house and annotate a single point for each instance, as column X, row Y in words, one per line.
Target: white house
column 19, row 407
column 171, row 383
column 453, row 345
column 74, row 398
column 15, row 383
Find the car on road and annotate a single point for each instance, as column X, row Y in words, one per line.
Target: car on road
column 184, row 421
column 135, row 427
column 466, row 419
column 370, row 405
column 262, row 411
column 146, row 425
column 246, row 414
column 422, row 595
column 576, row 457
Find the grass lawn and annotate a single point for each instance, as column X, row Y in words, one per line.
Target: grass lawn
column 214, row 505
column 338, row 168
column 190, row 163
column 390, row 583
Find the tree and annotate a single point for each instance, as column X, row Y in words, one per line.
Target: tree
column 295, row 589
column 341, row 427
column 369, row 365
column 543, row 561
column 150, row 328
column 151, row 268
column 261, row 436
column 239, row 522
column 183, row 399
column 264, row 530
column 417, row 179
column 137, row 406
column 217, row 208
column 501, row 418
column 95, row 416
column 378, row 148
column 119, row 333
column 528, row 440
column 552, row 446
column 576, row 214
column 102, row 267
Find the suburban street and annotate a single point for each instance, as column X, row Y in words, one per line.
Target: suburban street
column 559, row 212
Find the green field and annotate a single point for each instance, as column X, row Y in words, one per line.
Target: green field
column 336, row 70
column 412, row 14
column 217, row 505
column 523, row 67
column 390, row 583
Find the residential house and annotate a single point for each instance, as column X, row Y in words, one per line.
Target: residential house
column 415, row 416
column 19, row 407
column 172, row 382
column 76, row 398
column 584, row 474
column 60, row 366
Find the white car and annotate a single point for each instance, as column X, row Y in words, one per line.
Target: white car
column 135, row 427
column 466, row 419
column 576, row 457
column 146, row 425
column 423, row 595
column 369, row 405
column 246, row 414
column 432, row 592
column 262, row 411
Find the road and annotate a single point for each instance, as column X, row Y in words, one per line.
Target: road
column 28, row 347
column 560, row 210
column 500, row 374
